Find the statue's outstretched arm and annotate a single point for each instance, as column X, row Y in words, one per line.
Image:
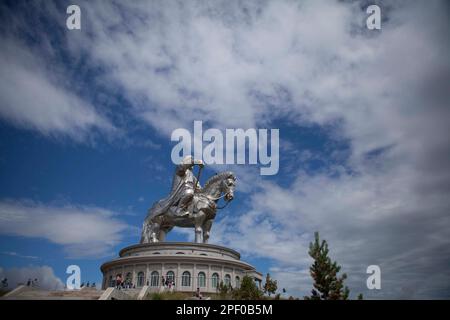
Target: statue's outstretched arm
column 199, row 162
column 182, row 167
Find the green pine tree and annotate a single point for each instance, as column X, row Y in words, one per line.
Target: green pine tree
column 327, row 284
column 270, row 286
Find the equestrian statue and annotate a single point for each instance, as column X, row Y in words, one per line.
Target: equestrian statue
column 189, row 205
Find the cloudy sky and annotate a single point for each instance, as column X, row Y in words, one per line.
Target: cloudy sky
column 86, row 117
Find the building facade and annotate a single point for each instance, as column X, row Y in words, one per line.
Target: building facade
column 186, row 266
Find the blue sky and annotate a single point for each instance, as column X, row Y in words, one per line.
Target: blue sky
column 86, row 117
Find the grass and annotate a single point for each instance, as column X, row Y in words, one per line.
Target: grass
column 3, row 292
column 169, row 295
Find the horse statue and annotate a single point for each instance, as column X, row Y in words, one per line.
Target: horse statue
column 200, row 215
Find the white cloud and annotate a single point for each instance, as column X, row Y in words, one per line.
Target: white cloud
column 46, row 278
column 15, row 254
column 38, row 98
column 82, row 230
column 239, row 64
column 246, row 65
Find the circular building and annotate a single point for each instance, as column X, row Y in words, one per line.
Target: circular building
column 184, row 266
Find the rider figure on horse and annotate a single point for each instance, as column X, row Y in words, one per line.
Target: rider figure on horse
column 184, row 185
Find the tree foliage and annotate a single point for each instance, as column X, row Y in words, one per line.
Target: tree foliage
column 327, row 284
column 270, row 286
column 224, row 290
column 248, row 290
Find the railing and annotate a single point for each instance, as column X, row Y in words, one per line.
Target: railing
column 182, row 282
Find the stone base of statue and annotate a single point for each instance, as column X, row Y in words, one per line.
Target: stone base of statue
column 177, row 266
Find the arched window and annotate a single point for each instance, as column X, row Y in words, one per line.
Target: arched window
column 201, row 280
column 238, row 282
column 170, row 275
column 186, row 279
column 179, row 253
column 128, row 278
column 111, row 281
column 140, row 279
column 154, row 279
column 215, row 280
column 227, row 280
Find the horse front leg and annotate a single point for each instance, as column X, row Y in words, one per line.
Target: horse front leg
column 198, row 234
column 198, row 223
column 145, row 236
column 207, row 230
column 154, row 231
column 162, row 235
column 150, row 232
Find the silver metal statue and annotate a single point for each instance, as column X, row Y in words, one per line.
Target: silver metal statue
column 188, row 205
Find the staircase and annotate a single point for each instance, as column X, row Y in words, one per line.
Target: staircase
column 30, row 293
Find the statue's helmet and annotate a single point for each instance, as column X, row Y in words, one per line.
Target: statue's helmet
column 187, row 160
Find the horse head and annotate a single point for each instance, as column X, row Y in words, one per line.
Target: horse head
column 228, row 186
column 221, row 183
